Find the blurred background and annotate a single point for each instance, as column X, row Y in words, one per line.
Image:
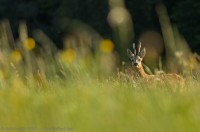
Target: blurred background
column 168, row 29
column 61, row 63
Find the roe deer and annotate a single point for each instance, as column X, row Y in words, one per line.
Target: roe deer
column 136, row 59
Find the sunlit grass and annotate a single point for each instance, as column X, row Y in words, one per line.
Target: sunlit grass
column 84, row 102
column 90, row 104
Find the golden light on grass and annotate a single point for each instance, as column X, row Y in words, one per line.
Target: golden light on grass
column 29, row 44
column 68, row 55
column 106, row 46
column 16, row 56
column 40, row 78
column 193, row 64
column 2, row 74
column 18, row 85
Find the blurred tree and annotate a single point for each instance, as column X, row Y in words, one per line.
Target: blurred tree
column 2, row 8
column 143, row 14
column 47, row 14
column 185, row 14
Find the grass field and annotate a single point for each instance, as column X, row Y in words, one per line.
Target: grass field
column 44, row 89
column 82, row 101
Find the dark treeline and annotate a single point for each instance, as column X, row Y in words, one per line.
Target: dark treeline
column 47, row 14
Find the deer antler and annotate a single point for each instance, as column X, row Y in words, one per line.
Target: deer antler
column 136, row 61
column 134, row 50
column 139, row 47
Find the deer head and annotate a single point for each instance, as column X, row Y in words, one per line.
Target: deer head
column 137, row 56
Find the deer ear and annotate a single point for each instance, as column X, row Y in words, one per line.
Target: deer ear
column 143, row 53
column 129, row 53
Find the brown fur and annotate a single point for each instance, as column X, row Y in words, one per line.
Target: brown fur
column 137, row 58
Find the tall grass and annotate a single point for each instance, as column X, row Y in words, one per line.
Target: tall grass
column 42, row 88
column 86, row 103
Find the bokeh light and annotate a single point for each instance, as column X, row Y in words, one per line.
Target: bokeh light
column 68, row 55
column 29, row 44
column 16, row 56
column 106, row 46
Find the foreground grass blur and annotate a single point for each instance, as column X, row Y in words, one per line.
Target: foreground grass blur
column 86, row 103
column 41, row 93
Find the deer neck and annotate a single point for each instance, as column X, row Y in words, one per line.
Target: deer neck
column 141, row 72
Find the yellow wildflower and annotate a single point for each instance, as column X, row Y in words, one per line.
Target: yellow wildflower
column 29, row 44
column 106, row 46
column 69, row 55
column 16, row 56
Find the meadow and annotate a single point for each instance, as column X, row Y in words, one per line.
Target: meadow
column 78, row 89
column 79, row 100
column 43, row 94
